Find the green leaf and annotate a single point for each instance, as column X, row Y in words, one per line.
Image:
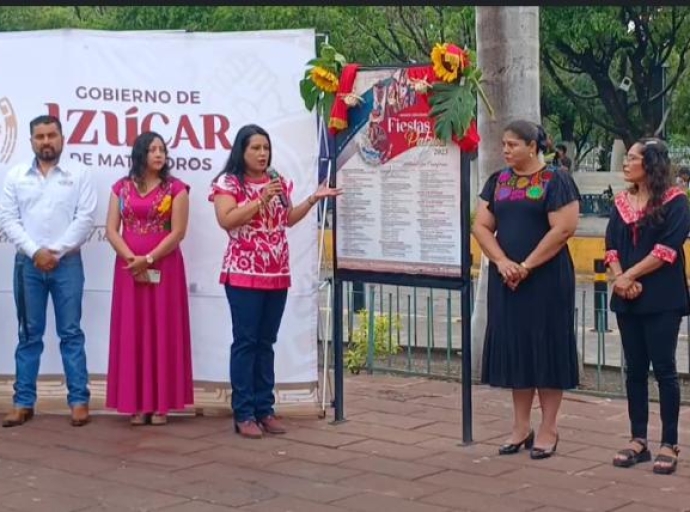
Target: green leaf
column 452, row 108
column 340, row 59
column 327, row 52
column 309, row 93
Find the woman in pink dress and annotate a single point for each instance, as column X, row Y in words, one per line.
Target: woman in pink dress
column 254, row 206
column 150, row 365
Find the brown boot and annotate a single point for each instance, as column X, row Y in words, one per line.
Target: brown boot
column 272, row 425
column 248, row 429
column 80, row 415
column 18, row 416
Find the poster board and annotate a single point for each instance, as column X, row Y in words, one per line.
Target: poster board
column 400, row 208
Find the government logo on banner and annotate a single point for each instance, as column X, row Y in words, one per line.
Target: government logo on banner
column 8, row 130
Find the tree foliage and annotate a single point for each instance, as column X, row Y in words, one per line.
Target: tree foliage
column 586, row 51
column 37, row 18
column 589, row 53
column 369, row 35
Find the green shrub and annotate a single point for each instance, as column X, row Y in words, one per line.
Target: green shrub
column 356, row 355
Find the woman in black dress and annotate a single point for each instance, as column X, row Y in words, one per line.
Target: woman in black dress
column 644, row 250
column 525, row 217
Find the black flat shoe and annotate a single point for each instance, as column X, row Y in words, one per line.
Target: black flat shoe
column 543, row 453
column 511, row 448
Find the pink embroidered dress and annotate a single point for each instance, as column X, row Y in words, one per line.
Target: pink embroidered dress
column 150, row 364
column 257, row 255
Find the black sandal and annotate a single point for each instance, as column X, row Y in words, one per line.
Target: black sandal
column 632, row 456
column 672, row 462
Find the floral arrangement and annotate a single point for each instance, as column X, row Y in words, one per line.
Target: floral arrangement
column 321, row 81
column 450, row 84
column 453, row 97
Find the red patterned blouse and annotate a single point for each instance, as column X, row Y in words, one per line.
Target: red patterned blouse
column 257, row 255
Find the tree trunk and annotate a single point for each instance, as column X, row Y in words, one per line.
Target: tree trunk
column 508, row 54
column 567, row 127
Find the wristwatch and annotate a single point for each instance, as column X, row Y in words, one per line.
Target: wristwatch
column 149, row 259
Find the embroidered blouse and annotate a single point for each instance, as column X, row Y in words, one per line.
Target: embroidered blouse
column 521, row 206
column 151, row 213
column 630, row 238
column 257, row 255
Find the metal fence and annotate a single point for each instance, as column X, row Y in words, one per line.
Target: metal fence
column 598, row 205
column 416, row 331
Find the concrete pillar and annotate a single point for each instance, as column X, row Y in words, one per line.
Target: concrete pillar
column 618, row 152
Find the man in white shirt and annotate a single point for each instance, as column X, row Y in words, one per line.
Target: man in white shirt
column 47, row 209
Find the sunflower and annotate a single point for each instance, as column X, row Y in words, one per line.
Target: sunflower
column 448, row 61
column 324, row 79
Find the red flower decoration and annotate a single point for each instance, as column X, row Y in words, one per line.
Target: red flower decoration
column 457, row 57
column 470, row 141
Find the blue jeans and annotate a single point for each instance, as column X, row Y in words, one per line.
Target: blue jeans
column 256, row 316
column 65, row 284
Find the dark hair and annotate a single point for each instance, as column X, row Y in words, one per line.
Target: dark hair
column 44, row 119
column 529, row 132
column 683, row 170
column 235, row 163
column 562, row 148
column 140, row 152
column 657, row 167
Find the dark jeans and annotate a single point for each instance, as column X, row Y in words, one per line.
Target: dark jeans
column 651, row 338
column 65, row 285
column 256, row 316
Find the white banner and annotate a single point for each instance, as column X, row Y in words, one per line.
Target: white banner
column 197, row 90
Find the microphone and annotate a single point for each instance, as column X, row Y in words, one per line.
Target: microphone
column 273, row 174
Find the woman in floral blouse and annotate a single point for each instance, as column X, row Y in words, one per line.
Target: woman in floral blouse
column 150, row 365
column 255, row 209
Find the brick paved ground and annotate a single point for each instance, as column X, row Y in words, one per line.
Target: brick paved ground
column 398, row 451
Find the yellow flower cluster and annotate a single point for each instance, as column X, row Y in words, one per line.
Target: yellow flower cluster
column 324, row 79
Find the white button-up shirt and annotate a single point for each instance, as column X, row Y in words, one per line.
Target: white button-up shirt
column 56, row 211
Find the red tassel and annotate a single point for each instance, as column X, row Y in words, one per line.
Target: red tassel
column 338, row 119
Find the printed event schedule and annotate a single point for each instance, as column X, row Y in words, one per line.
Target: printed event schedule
column 400, row 208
